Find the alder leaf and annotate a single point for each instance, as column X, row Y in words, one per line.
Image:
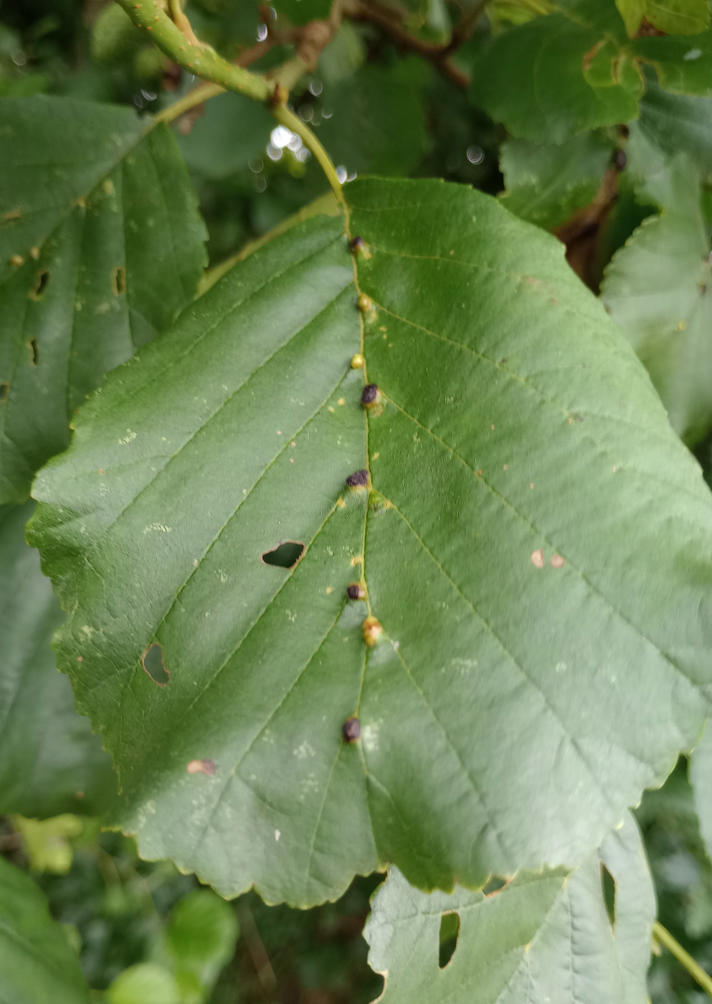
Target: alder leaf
column 37, row 961
column 580, row 50
column 535, row 547
column 547, row 184
column 676, row 17
column 543, row 936
column 701, row 782
column 101, row 244
column 50, row 763
column 658, row 287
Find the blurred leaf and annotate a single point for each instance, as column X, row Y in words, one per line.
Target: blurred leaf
column 701, row 781
column 659, row 290
column 520, row 75
column 677, row 17
column 683, row 880
column 100, row 245
column 228, row 26
column 495, row 356
column 49, row 760
column 548, row 184
column 376, row 119
column 544, row 936
column 231, row 131
column 47, row 842
column 37, row 964
column 199, row 939
column 145, row 983
column 632, row 12
column 343, row 55
column 302, row 11
column 682, row 64
column 675, row 123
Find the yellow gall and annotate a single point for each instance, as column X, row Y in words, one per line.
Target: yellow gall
column 357, row 362
column 372, row 631
column 365, row 304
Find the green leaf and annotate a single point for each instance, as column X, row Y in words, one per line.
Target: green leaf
column 144, row 982
column 675, row 123
column 47, row 842
column 547, row 184
column 232, row 130
column 544, row 936
column 100, row 245
column 302, row 11
column 659, row 290
column 683, row 65
column 368, row 109
column 37, row 962
column 701, row 781
column 200, row 938
column 676, row 17
column 535, row 550
column 632, row 12
column 49, row 760
column 519, row 77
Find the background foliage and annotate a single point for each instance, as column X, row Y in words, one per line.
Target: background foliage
column 620, row 171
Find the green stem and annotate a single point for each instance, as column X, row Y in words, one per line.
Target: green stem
column 196, row 97
column 201, row 60
column 684, row 958
column 205, row 62
column 287, row 118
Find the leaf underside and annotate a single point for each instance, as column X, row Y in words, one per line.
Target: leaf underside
column 50, row 762
column 535, row 548
column 545, row 936
column 100, row 245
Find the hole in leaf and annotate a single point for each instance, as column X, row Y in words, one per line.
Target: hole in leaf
column 285, row 555
column 40, row 284
column 34, row 351
column 154, row 664
column 4, row 390
column 449, row 934
column 608, row 886
column 119, row 280
column 494, row 884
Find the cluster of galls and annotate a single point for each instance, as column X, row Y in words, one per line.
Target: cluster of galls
column 371, row 400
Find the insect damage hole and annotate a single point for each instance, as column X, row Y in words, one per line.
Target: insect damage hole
column 40, row 284
column 449, row 935
column 34, row 351
column 119, row 280
column 285, row 555
column 154, row 664
column 608, row 888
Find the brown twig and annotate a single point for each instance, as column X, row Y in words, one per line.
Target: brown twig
column 465, row 27
column 390, row 23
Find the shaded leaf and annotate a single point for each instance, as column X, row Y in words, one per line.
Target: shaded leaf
column 200, row 939
column 537, row 668
column 676, row 123
column 682, row 64
column 545, row 936
column 677, row 17
column 701, row 781
column 547, row 184
column 146, row 981
column 659, row 290
column 377, row 119
column 580, row 51
column 49, row 760
column 100, row 245
column 231, row 131
column 36, row 960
